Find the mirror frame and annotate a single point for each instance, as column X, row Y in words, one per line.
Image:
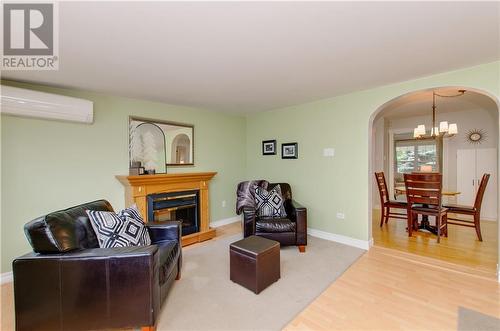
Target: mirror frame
column 153, row 121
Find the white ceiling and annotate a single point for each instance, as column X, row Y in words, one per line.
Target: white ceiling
column 254, row 56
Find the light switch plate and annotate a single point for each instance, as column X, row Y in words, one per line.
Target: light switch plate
column 329, row 152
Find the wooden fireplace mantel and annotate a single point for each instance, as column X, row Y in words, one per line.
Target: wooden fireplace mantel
column 137, row 188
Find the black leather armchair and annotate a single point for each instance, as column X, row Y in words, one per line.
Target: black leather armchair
column 289, row 230
column 68, row 283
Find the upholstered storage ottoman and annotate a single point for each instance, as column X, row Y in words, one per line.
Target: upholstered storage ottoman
column 254, row 262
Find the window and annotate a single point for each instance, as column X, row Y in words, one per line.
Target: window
column 413, row 158
column 415, row 155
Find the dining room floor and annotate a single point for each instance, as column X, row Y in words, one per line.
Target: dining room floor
column 461, row 248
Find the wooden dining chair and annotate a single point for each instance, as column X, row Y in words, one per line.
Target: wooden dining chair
column 424, row 196
column 474, row 211
column 385, row 203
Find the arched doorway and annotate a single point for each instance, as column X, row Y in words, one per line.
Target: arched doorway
column 181, row 149
column 400, row 115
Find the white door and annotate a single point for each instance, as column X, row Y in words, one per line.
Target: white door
column 486, row 162
column 466, row 176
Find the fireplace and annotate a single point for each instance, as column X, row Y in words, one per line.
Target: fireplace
column 141, row 190
column 176, row 206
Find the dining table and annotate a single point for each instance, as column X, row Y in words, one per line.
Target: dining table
column 401, row 190
column 425, row 224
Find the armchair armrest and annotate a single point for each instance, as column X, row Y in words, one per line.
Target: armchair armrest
column 87, row 289
column 167, row 231
column 297, row 206
column 248, row 221
column 93, row 253
column 298, row 213
column 160, row 231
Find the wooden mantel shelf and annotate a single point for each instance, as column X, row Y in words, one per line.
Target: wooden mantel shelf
column 165, row 178
column 137, row 188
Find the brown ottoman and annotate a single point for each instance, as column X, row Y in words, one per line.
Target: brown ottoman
column 254, row 262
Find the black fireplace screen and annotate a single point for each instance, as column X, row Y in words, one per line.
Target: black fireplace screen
column 176, row 206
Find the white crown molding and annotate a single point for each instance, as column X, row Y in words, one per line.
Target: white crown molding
column 225, row 221
column 363, row 244
column 6, row 277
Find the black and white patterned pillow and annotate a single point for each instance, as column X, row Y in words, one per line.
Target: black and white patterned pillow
column 134, row 213
column 269, row 204
column 124, row 229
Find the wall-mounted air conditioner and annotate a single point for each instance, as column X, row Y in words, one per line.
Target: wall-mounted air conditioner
column 28, row 103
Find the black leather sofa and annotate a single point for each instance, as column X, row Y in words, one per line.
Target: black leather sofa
column 290, row 230
column 69, row 283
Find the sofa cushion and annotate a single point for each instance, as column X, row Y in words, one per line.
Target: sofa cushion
column 64, row 230
column 269, row 204
column 134, row 213
column 119, row 230
column 169, row 251
column 274, row 224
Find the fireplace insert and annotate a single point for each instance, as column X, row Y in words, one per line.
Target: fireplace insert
column 176, row 206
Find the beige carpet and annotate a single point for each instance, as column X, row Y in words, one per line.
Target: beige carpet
column 205, row 298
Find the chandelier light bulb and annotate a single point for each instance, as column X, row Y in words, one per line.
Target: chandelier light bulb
column 453, row 128
column 421, row 129
column 443, row 127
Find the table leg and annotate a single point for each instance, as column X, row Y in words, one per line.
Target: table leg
column 426, row 225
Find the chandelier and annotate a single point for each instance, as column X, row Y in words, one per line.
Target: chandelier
column 444, row 129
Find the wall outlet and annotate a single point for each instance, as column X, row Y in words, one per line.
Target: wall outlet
column 340, row 216
column 329, row 152
column 223, row 203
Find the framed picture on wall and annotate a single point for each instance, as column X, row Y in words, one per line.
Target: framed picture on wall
column 289, row 151
column 156, row 144
column 269, row 147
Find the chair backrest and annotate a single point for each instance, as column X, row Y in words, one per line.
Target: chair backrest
column 65, row 230
column 480, row 191
column 382, row 187
column 424, row 188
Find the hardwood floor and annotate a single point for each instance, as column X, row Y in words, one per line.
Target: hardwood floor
column 7, row 307
column 461, row 247
column 384, row 291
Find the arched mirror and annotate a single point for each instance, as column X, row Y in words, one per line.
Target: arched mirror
column 147, row 146
column 157, row 144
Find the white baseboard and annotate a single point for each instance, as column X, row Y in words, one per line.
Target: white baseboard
column 6, row 277
column 225, row 221
column 363, row 244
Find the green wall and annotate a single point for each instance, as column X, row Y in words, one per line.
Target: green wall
column 342, row 183
column 49, row 165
